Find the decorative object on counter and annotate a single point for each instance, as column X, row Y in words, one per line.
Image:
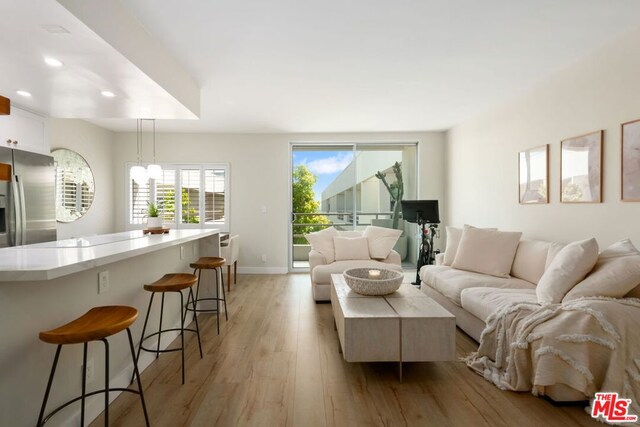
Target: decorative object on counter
column 366, row 282
column 155, row 231
column 5, row 106
column 75, row 187
column 533, row 176
column 581, row 169
column 154, row 220
column 630, row 179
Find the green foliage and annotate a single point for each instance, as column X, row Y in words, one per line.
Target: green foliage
column 396, row 191
column 152, row 210
column 189, row 215
column 304, row 202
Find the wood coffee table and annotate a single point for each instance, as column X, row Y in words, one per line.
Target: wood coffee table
column 405, row 326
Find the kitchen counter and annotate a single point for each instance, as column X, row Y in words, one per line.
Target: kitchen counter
column 50, row 260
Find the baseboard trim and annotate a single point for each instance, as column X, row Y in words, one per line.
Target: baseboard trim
column 263, row 270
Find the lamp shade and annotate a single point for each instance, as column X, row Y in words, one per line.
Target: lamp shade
column 154, row 171
column 139, row 174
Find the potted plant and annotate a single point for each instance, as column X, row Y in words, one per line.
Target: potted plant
column 396, row 192
column 154, row 221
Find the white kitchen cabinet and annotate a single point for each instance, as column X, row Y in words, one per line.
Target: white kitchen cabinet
column 26, row 131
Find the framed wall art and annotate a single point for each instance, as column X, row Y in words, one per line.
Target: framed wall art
column 630, row 165
column 533, row 172
column 581, row 169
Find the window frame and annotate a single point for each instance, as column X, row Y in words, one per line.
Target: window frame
column 178, row 167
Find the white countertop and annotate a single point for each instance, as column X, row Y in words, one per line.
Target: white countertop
column 50, row 260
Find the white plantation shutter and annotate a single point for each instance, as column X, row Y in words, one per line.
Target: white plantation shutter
column 186, row 195
column 139, row 198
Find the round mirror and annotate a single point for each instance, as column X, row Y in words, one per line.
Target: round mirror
column 74, row 185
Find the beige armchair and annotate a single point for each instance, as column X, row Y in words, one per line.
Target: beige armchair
column 230, row 253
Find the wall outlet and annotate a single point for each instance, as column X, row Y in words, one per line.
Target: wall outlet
column 181, row 252
column 89, row 369
column 103, row 281
column 264, row 257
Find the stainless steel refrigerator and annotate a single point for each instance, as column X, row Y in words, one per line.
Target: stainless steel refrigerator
column 27, row 198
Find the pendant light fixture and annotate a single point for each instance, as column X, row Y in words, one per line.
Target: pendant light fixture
column 154, row 170
column 138, row 172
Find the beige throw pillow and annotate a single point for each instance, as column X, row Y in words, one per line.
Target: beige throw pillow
column 569, row 267
column 453, row 241
column 486, row 251
column 381, row 240
column 322, row 241
column 616, row 273
column 348, row 248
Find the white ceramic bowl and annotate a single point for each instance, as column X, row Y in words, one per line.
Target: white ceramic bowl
column 359, row 280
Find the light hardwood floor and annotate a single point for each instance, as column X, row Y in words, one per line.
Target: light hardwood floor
column 276, row 363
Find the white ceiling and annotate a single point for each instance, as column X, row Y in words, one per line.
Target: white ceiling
column 363, row 65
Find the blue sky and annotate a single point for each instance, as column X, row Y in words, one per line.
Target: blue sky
column 326, row 165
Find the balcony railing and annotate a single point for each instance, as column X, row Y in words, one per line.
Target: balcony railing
column 343, row 220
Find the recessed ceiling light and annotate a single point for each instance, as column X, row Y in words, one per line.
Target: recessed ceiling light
column 24, row 93
column 53, row 62
column 108, row 94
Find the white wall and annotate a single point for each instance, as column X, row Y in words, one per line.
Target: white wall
column 95, row 144
column 259, row 165
column 598, row 92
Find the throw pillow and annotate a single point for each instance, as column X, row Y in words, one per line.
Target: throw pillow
column 568, row 268
column 486, row 251
column 616, row 273
column 381, row 240
column 453, row 241
column 348, row 248
column 322, row 241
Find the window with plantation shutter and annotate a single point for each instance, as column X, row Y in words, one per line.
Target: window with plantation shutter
column 186, row 196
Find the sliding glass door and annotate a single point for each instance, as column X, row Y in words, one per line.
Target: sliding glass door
column 350, row 186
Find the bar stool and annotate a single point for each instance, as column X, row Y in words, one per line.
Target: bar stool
column 95, row 325
column 216, row 264
column 175, row 282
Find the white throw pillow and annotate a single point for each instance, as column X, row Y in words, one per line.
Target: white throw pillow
column 348, row 248
column 453, row 241
column 381, row 240
column 322, row 241
column 569, row 267
column 616, row 273
column 486, row 251
column 349, row 233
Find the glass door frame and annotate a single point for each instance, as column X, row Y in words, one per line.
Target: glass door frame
column 354, row 148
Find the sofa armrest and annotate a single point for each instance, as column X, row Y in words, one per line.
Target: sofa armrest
column 316, row 259
column 439, row 258
column 393, row 258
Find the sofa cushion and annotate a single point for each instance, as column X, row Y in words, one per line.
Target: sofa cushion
column 487, row 251
column 322, row 242
column 450, row 282
column 569, row 267
column 322, row 273
column 481, row 302
column 349, row 233
column 530, row 260
column 381, row 240
column 351, row 248
column 453, row 240
column 616, row 273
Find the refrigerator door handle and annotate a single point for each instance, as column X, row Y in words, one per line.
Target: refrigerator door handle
column 17, row 235
column 23, row 210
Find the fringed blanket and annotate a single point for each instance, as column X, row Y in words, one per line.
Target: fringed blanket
column 590, row 344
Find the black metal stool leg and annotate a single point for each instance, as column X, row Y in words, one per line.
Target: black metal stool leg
column 224, row 297
column 84, row 382
column 196, row 320
column 182, row 332
column 136, row 373
column 106, row 382
column 160, row 327
column 217, row 300
column 144, row 328
column 46, row 393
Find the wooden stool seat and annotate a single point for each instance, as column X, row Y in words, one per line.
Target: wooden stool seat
column 208, row 262
column 96, row 324
column 172, row 282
